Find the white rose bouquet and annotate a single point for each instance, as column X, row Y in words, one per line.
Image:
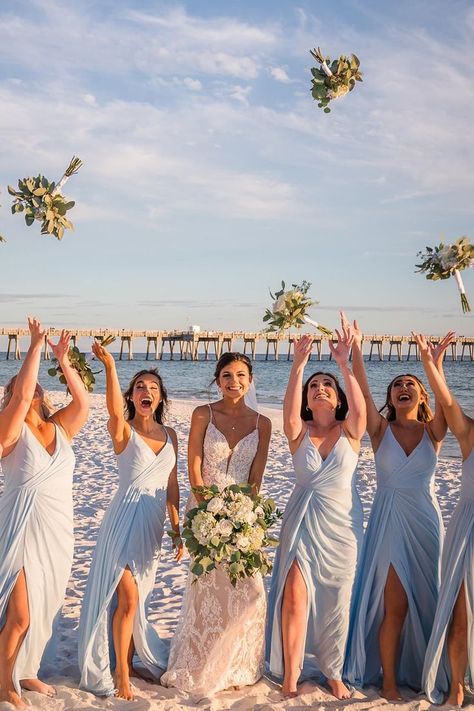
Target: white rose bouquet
column 444, row 261
column 40, row 199
column 289, row 309
column 333, row 79
column 230, row 528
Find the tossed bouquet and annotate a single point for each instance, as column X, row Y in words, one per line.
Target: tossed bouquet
column 80, row 363
column 289, row 309
column 230, row 528
column 333, row 79
column 444, row 261
column 42, row 200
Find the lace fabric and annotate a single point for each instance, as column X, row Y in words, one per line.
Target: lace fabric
column 219, row 640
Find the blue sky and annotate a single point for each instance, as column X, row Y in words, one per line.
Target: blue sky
column 209, row 172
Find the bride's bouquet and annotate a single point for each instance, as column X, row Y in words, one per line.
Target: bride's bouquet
column 444, row 261
column 40, row 199
column 230, row 528
column 332, row 80
column 289, row 309
column 80, row 363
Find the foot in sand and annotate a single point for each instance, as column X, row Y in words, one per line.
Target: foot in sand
column 339, row 689
column 391, row 693
column 11, row 697
column 123, row 687
column 456, row 696
column 39, row 686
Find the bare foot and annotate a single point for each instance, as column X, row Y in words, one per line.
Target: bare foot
column 391, row 693
column 456, row 696
column 39, row 686
column 12, row 697
column 123, row 688
column 339, row 689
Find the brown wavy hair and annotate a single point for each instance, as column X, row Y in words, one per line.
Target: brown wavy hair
column 341, row 410
column 424, row 413
column 227, row 358
column 46, row 407
column 160, row 413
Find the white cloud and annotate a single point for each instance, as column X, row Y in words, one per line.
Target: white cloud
column 279, row 74
column 193, row 84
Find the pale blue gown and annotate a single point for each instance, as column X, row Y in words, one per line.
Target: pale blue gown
column 322, row 531
column 130, row 536
column 36, row 535
column 405, row 530
column 457, row 567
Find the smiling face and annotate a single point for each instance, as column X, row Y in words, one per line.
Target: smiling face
column 146, row 394
column 406, row 393
column 234, row 379
column 322, row 393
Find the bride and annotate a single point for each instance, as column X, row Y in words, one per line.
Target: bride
column 219, row 640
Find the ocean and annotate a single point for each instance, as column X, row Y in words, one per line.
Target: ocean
column 192, row 379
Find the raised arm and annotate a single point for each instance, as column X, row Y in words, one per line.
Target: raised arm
column 375, row 421
column 72, row 417
column 13, row 415
column 438, row 425
column 199, row 423
column 172, row 500
column 292, row 422
column 260, row 460
column 356, row 421
column 460, row 424
column 118, row 427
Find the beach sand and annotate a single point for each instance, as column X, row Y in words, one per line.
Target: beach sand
column 95, row 481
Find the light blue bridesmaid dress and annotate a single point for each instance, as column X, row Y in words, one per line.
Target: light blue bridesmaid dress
column 405, row 530
column 36, row 535
column 457, row 567
column 130, row 536
column 322, row 530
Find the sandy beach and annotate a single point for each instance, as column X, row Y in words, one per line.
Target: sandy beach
column 94, row 485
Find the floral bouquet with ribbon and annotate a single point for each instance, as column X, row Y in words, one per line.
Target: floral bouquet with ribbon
column 80, row 363
column 290, row 307
column 230, row 528
column 40, row 199
column 446, row 260
column 333, row 79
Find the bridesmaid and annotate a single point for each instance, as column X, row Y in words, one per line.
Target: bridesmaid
column 36, row 524
column 322, row 527
column 398, row 579
column 450, row 650
column 127, row 553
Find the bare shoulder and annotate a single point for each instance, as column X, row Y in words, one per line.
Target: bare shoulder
column 172, row 434
column 201, row 414
column 264, row 423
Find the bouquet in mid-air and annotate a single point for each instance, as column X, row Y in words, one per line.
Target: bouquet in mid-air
column 446, row 260
column 332, row 80
column 289, row 309
column 80, row 363
column 39, row 199
column 230, row 528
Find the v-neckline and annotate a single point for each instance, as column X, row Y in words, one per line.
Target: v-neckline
column 341, row 434
column 155, row 454
column 56, row 440
column 400, row 446
column 225, row 438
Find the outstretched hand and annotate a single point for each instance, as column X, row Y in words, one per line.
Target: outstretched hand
column 345, row 339
column 302, row 350
column 37, row 332
column 61, row 348
column 102, row 353
column 434, row 352
column 356, row 332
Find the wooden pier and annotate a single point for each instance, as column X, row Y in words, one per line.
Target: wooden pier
column 204, row 345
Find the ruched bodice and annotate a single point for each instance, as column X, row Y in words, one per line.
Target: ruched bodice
column 130, row 537
column 405, row 530
column 219, row 640
column 457, row 568
column 36, row 534
column 324, row 507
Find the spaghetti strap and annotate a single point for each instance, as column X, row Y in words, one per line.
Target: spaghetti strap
column 258, row 418
column 210, row 412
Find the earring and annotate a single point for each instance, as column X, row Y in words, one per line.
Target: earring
column 308, row 409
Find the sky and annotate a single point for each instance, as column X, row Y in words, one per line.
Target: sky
column 210, row 174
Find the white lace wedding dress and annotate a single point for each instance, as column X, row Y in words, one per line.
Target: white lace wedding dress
column 219, row 640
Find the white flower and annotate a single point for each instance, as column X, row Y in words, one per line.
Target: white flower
column 240, row 507
column 259, row 512
column 341, row 90
column 279, row 304
column 203, row 526
column 447, row 258
column 256, row 536
column 250, row 517
column 225, row 527
column 215, row 505
column 242, row 542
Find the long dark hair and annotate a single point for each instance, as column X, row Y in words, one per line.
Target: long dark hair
column 341, row 410
column 424, row 413
column 160, row 412
column 226, row 359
